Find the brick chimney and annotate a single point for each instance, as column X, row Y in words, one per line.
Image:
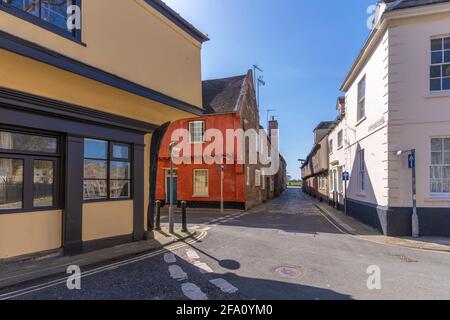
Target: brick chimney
column 273, row 125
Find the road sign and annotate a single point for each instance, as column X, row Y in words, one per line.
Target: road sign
column 345, row 176
column 412, row 161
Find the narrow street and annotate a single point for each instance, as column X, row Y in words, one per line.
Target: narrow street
column 285, row 249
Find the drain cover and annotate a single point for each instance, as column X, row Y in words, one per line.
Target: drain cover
column 288, row 272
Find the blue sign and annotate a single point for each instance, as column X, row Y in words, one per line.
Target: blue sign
column 412, row 161
column 345, row 176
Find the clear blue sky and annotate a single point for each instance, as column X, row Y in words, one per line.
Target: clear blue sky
column 304, row 47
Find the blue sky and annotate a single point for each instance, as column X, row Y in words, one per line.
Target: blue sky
column 304, row 47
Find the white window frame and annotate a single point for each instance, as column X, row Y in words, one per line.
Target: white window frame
column 340, row 139
column 441, row 166
column 331, row 146
column 361, row 171
column 441, row 65
column 340, row 171
column 361, row 108
column 192, row 132
column 257, row 178
column 198, row 194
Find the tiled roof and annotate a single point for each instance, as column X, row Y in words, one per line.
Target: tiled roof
column 221, row 95
column 404, row 4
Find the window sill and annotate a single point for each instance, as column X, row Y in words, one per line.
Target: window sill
column 437, row 94
column 443, row 198
column 361, row 121
column 200, row 196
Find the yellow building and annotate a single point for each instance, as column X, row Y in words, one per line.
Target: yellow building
column 85, row 87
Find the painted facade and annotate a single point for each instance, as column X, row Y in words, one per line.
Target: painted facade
column 230, row 104
column 76, row 88
column 395, row 98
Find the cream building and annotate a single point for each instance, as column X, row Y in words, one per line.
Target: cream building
column 397, row 95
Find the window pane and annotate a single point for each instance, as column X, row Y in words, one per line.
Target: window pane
column 95, row 189
column 447, row 43
column 436, row 186
column 435, row 72
column 11, row 184
column 196, row 129
column 43, row 183
column 447, row 144
column 446, row 70
column 446, row 186
column 55, row 12
column 436, row 44
column 436, row 158
column 200, row 182
column 95, row 169
column 435, row 84
column 446, row 172
column 446, row 83
column 30, row 6
column 436, row 144
column 120, row 170
column 26, row 142
column 120, row 152
column 447, row 56
column 119, row 189
column 447, row 158
column 436, row 173
column 95, row 149
column 436, row 57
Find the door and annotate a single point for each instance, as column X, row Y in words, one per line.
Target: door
column 175, row 189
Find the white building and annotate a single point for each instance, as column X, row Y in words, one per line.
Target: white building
column 397, row 98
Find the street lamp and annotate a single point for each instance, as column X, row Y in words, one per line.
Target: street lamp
column 171, row 188
column 412, row 165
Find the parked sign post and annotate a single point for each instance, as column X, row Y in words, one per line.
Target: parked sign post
column 345, row 178
column 222, row 169
column 415, row 217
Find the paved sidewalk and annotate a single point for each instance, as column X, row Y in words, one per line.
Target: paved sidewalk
column 352, row 226
column 19, row 272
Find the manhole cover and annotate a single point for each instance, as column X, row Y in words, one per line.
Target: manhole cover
column 288, row 272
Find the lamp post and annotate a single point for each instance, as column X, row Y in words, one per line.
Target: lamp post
column 412, row 165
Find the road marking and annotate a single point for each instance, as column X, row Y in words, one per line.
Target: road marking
column 53, row 283
column 193, row 292
column 170, row 258
column 203, row 267
column 206, row 229
column 177, row 273
column 192, row 254
column 224, row 285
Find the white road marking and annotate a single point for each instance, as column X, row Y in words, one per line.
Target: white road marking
column 192, row 254
column 170, row 258
column 177, row 273
column 205, row 229
column 193, row 292
column 203, row 267
column 224, row 285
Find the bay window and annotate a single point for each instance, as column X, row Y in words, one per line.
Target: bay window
column 107, row 170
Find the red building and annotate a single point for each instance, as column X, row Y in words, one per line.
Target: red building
column 229, row 104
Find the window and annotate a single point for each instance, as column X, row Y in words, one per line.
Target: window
column 107, row 170
column 440, row 166
column 47, row 13
column 257, row 178
column 340, row 139
column 339, row 180
column 263, row 183
column 196, row 132
column 201, row 183
column 362, row 99
column 29, row 165
column 331, row 146
column 440, row 64
column 361, row 171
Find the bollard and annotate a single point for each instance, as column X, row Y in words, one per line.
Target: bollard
column 184, row 216
column 158, row 215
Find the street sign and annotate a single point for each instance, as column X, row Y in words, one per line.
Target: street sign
column 412, row 161
column 345, row 176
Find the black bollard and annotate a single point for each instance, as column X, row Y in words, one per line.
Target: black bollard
column 158, row 215
column 184, row 216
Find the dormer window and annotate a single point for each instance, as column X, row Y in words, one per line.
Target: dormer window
column 49, row 14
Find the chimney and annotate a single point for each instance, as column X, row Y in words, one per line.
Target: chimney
column 340, row 107
column 273, row 125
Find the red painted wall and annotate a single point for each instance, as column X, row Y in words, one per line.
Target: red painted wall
column 234, row 178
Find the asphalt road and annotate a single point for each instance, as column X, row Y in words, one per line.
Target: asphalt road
column 285, row 249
